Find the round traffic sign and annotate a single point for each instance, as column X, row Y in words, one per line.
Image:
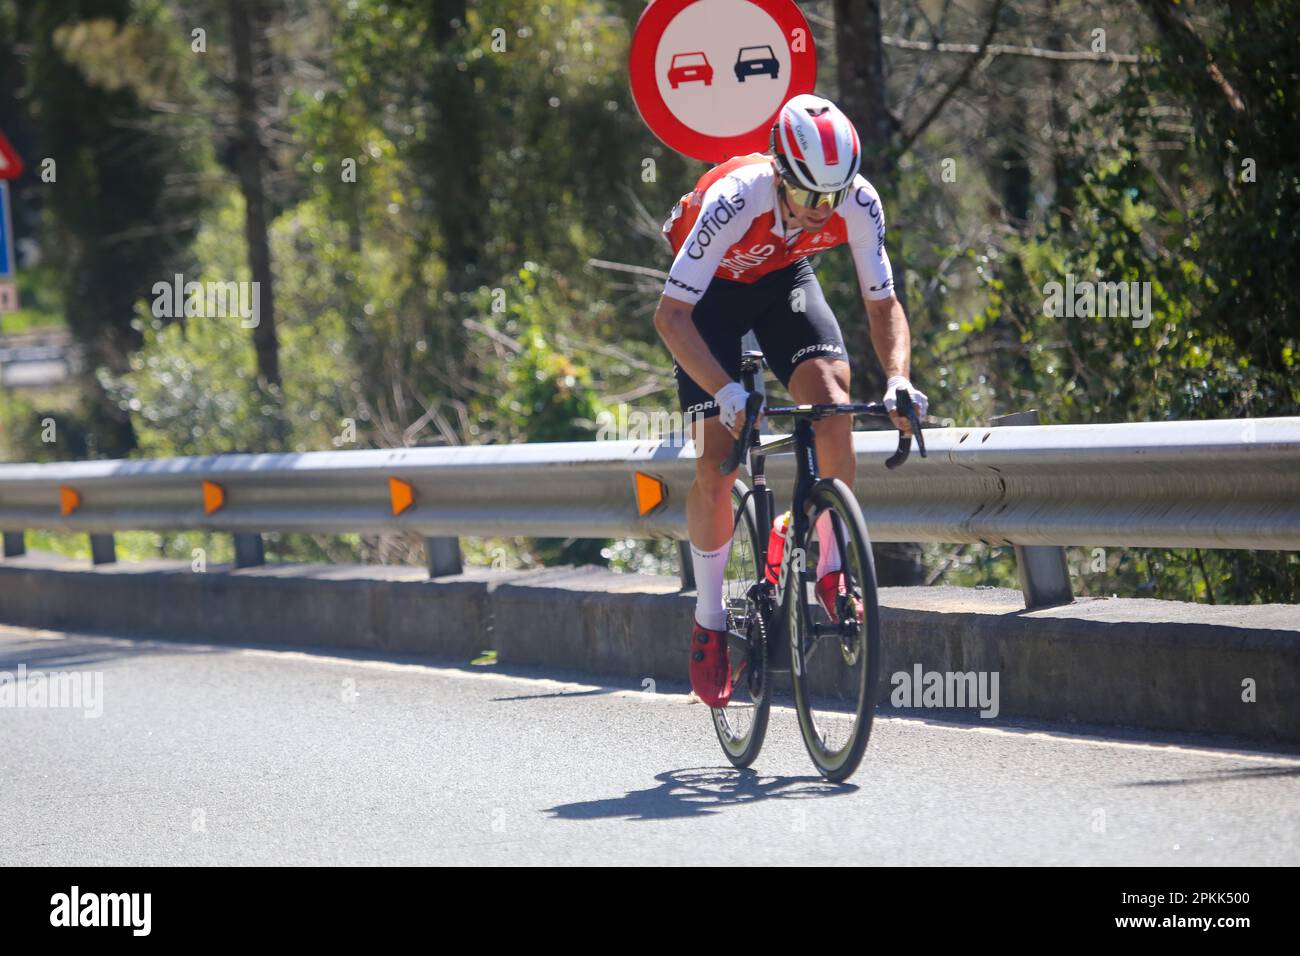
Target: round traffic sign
column 710, row 76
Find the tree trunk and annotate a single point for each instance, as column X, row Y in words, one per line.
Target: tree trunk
column 861, row 67
column 863, row 93
column 1059, row 116
column 251, row 168
column 863, row 97
column 456, row 150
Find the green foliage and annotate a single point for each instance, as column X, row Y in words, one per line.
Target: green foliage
column 1218, row 254
column 140, row 545
column 548, row 396
column 438, row 189
column 47, row 426
column 192, row 389
column 119, row 217
column 41, row 297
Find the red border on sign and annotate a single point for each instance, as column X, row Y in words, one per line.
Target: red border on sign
column 672, row 131
column 14, row 163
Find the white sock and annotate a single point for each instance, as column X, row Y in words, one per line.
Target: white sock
column 828, row 559
column 710, row 569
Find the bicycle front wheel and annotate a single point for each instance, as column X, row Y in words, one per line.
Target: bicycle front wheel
column 835, row 650
column 742, row 724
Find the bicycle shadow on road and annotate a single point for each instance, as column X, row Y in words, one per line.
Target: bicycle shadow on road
column 592, row 692
column 1223, row 776
column 700, row 791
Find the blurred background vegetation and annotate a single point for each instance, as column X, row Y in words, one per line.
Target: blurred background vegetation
column 453, row 210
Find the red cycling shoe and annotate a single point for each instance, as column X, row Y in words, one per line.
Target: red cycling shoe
column 710, row 666
column 829, row 588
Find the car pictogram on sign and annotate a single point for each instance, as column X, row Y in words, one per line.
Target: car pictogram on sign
column 690, row 68
column 753, row 60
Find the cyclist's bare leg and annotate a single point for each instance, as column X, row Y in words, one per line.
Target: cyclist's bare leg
column 708, row 505
column 827, row 380
column 709, row 519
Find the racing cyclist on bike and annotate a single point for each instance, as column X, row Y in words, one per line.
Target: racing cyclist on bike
column 741, row 241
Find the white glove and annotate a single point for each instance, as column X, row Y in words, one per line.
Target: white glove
column 731, row 400
column 919, row 398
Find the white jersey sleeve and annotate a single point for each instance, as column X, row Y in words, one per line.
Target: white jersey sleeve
column 722, row 222
column 864, row 219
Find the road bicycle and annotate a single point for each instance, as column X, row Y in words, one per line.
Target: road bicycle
column 777, row 627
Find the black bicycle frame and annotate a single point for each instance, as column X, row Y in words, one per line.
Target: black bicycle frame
column 801, row 443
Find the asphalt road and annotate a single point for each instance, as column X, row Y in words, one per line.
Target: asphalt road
column 221, row 755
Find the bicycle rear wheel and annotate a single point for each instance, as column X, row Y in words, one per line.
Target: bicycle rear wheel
column 834, row 666
column 742, row 724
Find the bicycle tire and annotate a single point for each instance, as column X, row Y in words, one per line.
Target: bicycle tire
column 838, row 763
column 741, row 726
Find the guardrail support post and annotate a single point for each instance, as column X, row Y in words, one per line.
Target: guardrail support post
column 444, row 556
column 1044, row 572
column 103, row 549
column 687, row 565
column 250, row 551
column 13, row 544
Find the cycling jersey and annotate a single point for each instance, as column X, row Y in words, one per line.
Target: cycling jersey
column 728, row 227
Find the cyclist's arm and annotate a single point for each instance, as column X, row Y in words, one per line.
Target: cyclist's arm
column 720, row 224
column 891, row 335
column 676, row 327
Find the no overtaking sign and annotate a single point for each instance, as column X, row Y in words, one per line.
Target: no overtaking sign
column 710, row 76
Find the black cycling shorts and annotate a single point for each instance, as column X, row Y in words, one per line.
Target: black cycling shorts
column 787, row 336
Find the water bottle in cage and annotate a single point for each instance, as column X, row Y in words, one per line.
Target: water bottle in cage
column 776, row 547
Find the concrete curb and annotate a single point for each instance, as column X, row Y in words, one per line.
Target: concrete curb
column 1064, row 664
column 1152, row 664
column 315, row 606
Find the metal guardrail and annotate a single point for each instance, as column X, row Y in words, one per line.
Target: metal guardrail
column 35, row 361
column 1210, row 484
column 33, row 353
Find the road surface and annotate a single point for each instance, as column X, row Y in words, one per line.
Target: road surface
column 204, row 754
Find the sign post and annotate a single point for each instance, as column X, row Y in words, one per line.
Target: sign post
column 8, row 285
column 710, row 76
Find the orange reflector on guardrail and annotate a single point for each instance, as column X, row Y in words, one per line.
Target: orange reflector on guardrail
column 214, row 496
column 650, row 493
column 401, row 493
column 69, row 500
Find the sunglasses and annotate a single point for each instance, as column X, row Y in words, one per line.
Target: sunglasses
column 812, row 199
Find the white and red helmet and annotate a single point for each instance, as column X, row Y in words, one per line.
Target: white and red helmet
column 815, row 144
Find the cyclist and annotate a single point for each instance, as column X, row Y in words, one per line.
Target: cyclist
column 741, row 241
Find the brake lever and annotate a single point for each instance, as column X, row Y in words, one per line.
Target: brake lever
column 904, row 407
column 915, row 421
column 752, row 406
